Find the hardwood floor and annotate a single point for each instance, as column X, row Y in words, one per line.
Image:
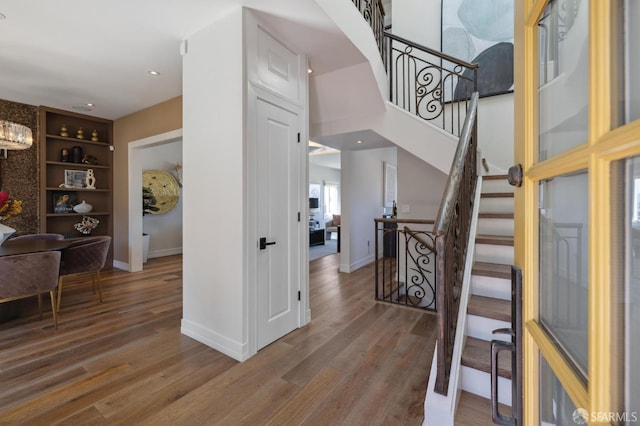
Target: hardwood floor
column 125, row 362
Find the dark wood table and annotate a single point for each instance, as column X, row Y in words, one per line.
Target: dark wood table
column 11, row 310
column 9, row 247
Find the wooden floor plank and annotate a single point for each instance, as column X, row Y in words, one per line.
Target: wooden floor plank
column 124, row 361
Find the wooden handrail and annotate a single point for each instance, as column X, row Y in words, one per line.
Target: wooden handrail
column 452, row 229
column 421, row 240
column 452, row 187
column 432, row 51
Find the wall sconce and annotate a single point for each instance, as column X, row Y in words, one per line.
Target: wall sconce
column 14, row 136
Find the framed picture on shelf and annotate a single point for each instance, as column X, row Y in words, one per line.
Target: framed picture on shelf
column 75, row 178
column 63, row 201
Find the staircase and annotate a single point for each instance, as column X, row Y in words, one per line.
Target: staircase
column 489, row 306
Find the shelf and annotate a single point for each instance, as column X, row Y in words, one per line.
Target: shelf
column 78, row 214
column 52, row 171
column 68, row 139
column 56, row 188
column 86, row 166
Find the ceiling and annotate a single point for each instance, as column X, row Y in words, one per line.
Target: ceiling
column 69, row 53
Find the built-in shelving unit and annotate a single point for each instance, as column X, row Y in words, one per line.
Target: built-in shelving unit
column 53, row 171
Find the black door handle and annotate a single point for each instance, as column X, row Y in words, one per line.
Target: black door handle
column 264, row 243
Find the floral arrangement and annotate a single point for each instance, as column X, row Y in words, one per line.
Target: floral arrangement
column 9, row 206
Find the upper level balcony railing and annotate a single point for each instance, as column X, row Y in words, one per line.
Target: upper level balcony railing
column 432, row 85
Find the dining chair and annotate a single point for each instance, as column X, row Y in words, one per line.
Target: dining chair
column 38, row 237
column 26, row 275
column 84, row 256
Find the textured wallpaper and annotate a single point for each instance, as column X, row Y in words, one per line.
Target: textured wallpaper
column 19, row 173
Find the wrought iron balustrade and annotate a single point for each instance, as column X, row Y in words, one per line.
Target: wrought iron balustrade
column 430, row 84
column 444, row 91
column 405, row 263
column 452, row 229
column 373, row 12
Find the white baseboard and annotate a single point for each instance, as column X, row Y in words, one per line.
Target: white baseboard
column 235, row 350
column 357, row 265
column 121, row 265
column 165, row 252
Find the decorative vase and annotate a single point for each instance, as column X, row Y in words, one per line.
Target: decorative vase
column 145, row 248
column 76, row 154
column 5, row 232
column 83, row 207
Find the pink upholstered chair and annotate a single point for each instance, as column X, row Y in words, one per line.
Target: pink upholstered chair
column 26, row 275
column 85, row 256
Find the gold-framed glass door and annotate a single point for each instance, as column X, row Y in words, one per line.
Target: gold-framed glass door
column 577, row 109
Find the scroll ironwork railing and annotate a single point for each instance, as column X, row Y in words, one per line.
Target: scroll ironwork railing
column 430, row 84
column 452, row 229
column 405, row 262
column 373, row 12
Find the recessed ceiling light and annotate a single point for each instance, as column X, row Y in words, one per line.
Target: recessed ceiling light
column 358, row 141
column 309, row 70
column 89, row 104
column 152, row 72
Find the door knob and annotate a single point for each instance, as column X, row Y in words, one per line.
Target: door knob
column 515, row 175
column 263, row 243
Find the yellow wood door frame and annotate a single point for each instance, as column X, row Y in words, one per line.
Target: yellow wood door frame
column 603, row 147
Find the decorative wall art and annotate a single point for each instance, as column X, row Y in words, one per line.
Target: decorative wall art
column 481, row 31
column 63, row 201
column 75, row 178
column 164, row 190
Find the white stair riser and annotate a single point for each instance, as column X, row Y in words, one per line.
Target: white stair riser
column 479, row 383
column 493, row 253
column 495, row 226
column 496, row 205
column 482, row 327
column 498, row 288
column 496, row 186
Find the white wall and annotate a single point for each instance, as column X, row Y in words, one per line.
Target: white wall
column 165, row 229
column 362, row 201
column 214, row 186
column 420, row 21
column 420, row 187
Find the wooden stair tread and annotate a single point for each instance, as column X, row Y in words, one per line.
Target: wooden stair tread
column 494, row 270
column 476, row 410
column 489, row 307
column 495, row 215
column 496, row 195
column 498, row 240
column 477, row 354
column 495, row 177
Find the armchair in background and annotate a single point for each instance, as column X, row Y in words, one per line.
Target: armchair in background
column 332, row 225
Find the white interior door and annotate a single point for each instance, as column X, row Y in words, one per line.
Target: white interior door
column 278, row 224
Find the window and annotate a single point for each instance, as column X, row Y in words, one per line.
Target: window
column 331, row 198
